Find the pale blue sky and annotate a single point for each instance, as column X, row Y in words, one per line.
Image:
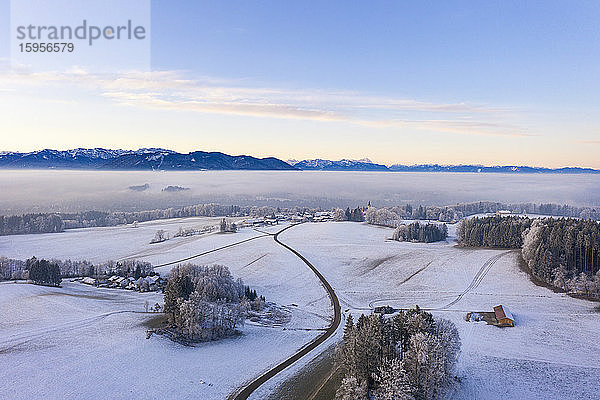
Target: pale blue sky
column 507, row 82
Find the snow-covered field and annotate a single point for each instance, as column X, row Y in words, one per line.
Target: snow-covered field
column 552, row 352
column 71, row 343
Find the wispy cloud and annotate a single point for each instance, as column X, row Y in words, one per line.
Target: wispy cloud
column 589, row 141
column 173, row 90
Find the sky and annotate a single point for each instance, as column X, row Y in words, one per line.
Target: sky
column 410, row 82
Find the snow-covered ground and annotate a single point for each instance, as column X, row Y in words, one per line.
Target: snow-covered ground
column 552, row 352
column 73, row 344
column 86, row 345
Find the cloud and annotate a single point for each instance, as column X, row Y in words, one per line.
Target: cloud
column 589, row 141
column 174, row 90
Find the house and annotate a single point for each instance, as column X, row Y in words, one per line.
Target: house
column 384, row 310
column 88, row 281
column 504, row 316
column 503, row 213
column 120, row 282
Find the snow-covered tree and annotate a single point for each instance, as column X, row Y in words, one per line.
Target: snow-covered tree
column 159, row 236
column 393, row 382
column 205, row 302
column 351, row 389
column 381, row 216
column 408, row 355
column 339, row 215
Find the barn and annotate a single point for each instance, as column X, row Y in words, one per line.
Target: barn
column 504, row 316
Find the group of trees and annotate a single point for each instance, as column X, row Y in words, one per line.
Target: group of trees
column 408, row 356
column 205, row 302
column 18, row 269
column 562, row 252
column 355, row 215
column 418, row 232
column 494, row 231
column 160, row 236
column 43, row 272
column 11, row 269
column 227, row 226
column 565, row 253
column 184, row 232
column 382, row 217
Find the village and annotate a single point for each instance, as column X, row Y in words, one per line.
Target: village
column 150, row 283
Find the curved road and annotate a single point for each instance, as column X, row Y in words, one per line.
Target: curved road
column 245, row 392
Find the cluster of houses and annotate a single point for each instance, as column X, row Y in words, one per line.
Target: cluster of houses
column 320, row 216
column 150, row 283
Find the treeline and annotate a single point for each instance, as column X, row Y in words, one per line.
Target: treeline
column 30, row 223
column 418, row 232
column 562, row 252
column 18, row 269
column 58, row 222
column 494, row 231
column 458, row 211
column 43, row 272
column 205, row 302
column 408, row 356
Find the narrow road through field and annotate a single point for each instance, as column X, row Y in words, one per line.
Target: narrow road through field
column 210, row 251
column 246, row 391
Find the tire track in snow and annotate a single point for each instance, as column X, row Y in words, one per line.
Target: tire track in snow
column 246, row 391
column 479, row 276
column 483, row 271
column 11, row 341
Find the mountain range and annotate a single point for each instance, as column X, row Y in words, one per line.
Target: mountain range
column 162, row 159
column 367, row 165
column 142, row 159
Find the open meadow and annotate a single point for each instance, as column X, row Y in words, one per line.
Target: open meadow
column 89, row 341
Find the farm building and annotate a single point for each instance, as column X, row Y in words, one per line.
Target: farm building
column 89, row 281
column 504, row 316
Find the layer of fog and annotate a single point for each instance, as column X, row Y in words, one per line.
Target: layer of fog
column 52, row 190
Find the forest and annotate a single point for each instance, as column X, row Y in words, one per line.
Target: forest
column 205, row 303
column 418, row 232
column 561, row 252
column 565, row 253
column 494, row 231
column 408, row 356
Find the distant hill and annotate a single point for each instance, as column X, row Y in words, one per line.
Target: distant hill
column 505, row 169
column 142, row 159
column 368, row 165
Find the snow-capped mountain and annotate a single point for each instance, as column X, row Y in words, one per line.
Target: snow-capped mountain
column 142, row 159
column 342, row 165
